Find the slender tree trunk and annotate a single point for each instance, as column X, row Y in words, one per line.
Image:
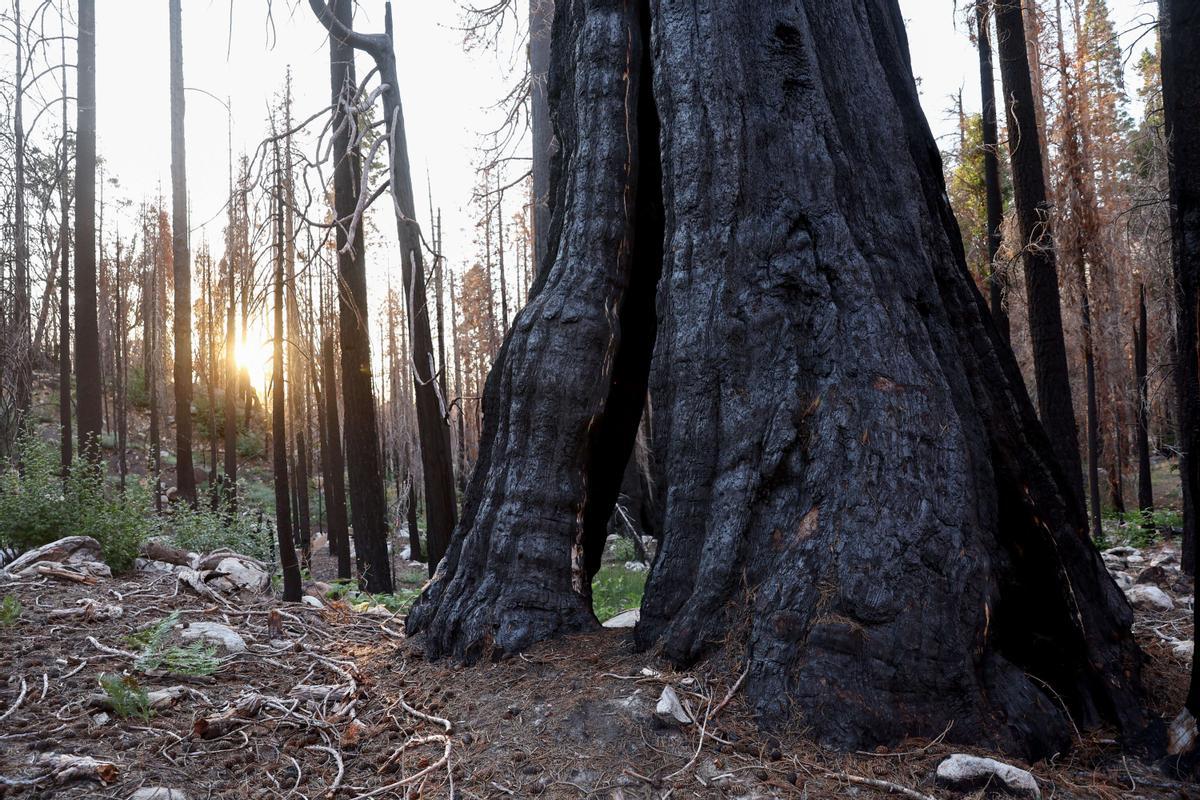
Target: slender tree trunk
column 1145, row 488
column 21, row 315
column 997, row 286
column 119, row 371
column 414, row 534
column 814, row 528
column 460, row 401
column 231, row 367
column 64, row 297
column 439, row 268
column 500, row 255
column 541, row 15
column 1041, row 271
column 185, row 476
column 283, row 511
column 87, row 332
column 335, row 493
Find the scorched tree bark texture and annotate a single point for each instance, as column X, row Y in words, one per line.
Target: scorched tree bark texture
column 859, row 500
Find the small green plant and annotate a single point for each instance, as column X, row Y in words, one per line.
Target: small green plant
column 196, row 659
column 616, row 589
column 10, row 610
column 126, row 697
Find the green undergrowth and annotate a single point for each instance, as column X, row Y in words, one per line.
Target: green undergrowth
column 1135, row 529
column 616, row 589
column 398, row 602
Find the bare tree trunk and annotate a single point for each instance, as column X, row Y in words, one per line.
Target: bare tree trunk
column 64, row 297
column 541, row 15
column 1145, row 488
column 232, row 378
column 185, row 476
column 997, row 283
column 87, row 333
column 120, row 373
column 1041, row 271
column 335, row 493
column 283, row 512
column 460, row 401
column 439, row 268
column 500, row 255
column 21, row 317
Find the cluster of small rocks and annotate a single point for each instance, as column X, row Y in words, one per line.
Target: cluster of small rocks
column 1153, row 583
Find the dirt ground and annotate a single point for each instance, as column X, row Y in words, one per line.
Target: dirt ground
column 338, row 703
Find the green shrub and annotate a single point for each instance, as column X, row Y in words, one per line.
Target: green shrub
column 204, row 529
column 37, row 506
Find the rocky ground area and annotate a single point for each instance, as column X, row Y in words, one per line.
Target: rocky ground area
column 187, row 679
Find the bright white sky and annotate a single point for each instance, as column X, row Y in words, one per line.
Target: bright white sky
column 446, row 93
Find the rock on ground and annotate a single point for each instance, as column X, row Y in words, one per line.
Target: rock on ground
column 216, row 633
column 969, row 773
column 626, row 619
column 1149, row 598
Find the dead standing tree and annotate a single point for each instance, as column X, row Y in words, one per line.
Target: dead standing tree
column 185, row 477
column 432, row 418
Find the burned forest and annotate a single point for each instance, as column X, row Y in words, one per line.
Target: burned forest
column 599, row 399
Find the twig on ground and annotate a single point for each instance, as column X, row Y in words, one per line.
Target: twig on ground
column 19, row 700
column 887, row 786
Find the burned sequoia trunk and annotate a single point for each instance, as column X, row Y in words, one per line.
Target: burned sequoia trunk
column 858, row 498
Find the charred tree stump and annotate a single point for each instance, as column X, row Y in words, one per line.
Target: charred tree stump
column 858, row 498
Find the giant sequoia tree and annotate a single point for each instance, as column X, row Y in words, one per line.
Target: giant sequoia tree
column 859, row 499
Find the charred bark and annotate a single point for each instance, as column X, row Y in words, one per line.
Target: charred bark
column 1180, row 30
column 185, row 475
column 288, row 564
column 335, row 487
column 87, row 330
column 858, row 497
column 1145, row 487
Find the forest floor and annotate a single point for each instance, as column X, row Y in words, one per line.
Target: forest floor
column 332, row 702
column 329, row 699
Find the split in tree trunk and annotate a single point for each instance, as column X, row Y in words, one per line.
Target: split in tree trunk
column 816, row 321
